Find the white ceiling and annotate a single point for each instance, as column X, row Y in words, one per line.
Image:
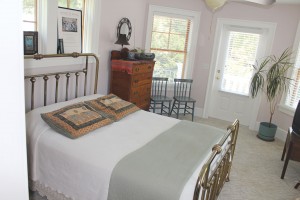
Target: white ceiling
column 288, row 1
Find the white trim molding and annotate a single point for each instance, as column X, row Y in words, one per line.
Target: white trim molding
column 296, row 48
column 168, row 11
column 221, row 24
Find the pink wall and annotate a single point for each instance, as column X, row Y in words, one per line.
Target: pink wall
column 286, row 17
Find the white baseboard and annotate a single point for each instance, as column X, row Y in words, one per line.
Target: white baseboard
column 198, row 112
column 280, row 133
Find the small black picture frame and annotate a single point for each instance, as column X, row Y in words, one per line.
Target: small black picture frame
column 30, row 42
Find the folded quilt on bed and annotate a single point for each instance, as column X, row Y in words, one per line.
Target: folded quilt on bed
column 112, row 107
column 160, row 169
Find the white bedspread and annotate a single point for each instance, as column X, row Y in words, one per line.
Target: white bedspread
column 81, row 168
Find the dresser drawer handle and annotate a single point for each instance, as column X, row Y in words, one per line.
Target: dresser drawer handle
column 136, row 81
column 137, row 69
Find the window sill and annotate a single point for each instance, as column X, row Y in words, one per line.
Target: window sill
column 46, row 62
column 287, row 110
column 237, row 94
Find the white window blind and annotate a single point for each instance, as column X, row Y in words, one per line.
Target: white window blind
column 293, row 95
column 241, row 55
column 170, row 43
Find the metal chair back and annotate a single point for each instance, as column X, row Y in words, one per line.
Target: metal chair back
column 159, row 86
column 182, row 87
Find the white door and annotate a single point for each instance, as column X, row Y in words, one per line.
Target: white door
column 239, row 48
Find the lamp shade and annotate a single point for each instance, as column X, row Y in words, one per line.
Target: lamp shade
column 122, row 40
column 215, row 4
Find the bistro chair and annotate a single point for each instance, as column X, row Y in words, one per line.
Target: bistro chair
column 182, row 97
column 159, row 99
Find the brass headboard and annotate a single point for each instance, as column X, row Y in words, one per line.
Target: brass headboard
column 57, row 75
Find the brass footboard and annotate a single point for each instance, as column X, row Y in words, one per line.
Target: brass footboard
column 216, row 170
column 58, row 75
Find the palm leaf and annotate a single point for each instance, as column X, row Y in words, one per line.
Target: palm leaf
column 270, row 77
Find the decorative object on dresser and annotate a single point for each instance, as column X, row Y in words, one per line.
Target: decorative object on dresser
column 124, row 27
column 123, row 32
column 131, row 80
column 122, row 40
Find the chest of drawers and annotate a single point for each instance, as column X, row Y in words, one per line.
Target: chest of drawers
column 131, row 81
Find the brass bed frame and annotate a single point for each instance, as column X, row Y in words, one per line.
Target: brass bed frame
column 211, row 179
column 216, row 169
column 58, row 75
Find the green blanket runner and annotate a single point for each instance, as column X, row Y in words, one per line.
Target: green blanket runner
column 160, row 169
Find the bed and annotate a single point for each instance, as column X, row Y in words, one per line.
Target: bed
column 141, row 156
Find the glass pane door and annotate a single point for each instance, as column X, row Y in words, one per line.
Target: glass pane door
column 241, row 55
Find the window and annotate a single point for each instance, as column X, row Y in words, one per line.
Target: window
column 172, row 36
column 241, row 55
column 74, row 4
column 170, row 43
column 29, row 15
column 290, row 100
column 294, row 91
column 47, row 29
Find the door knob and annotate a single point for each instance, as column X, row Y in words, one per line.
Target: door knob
column 218, row 74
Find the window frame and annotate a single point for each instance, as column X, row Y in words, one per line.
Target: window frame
column 35, row 21
column 169, row 33
column 296, row 50
column 227, row 28
column 268, row 39
column 194, row 16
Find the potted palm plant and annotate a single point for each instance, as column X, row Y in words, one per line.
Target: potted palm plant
column 270, row 78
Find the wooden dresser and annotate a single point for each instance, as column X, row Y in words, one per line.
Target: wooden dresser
column 131, row 81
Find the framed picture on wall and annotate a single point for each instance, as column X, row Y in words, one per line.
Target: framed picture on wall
column 70, row 29
column 30, row 42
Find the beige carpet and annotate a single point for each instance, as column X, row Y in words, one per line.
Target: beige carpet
column 256, row 169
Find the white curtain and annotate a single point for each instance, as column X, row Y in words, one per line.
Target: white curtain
column 92, row 26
